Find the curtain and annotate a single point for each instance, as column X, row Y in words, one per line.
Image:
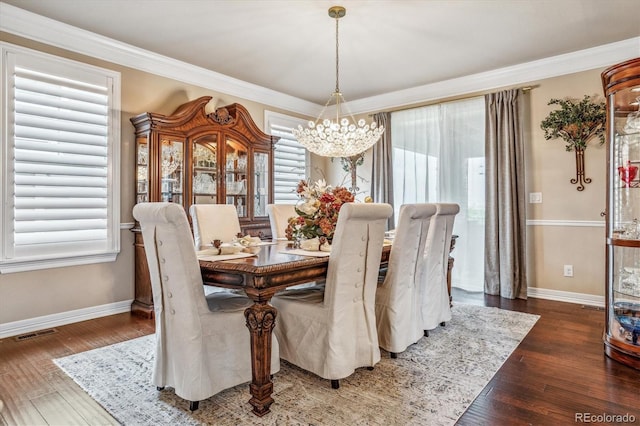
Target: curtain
column 438, row 156
column 382, row 165
column 505, row 226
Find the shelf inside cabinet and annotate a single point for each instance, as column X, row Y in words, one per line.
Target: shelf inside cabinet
column 623, row 242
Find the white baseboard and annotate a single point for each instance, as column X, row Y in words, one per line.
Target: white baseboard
column 566, row 296
column 16, row 328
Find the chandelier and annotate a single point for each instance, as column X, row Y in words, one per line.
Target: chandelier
column 342, row 136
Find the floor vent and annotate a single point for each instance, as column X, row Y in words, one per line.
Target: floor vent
column 35, row 334
column 593, row 308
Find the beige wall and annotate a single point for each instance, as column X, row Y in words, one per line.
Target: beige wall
column 549, row 167
column 567, row 240
column 26, row 295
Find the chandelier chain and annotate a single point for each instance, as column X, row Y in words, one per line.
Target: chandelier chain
column 337, row 57
column 343, row 136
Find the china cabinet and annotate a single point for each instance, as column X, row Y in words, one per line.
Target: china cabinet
column 194, row 157
column 622, row 326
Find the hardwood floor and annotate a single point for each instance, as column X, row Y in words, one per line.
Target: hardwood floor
column 558, row 371
column 36, row 392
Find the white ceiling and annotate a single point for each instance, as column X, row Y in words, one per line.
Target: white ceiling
column 385, row 46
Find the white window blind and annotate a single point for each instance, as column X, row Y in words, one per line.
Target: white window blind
column 60, row 159
column 290, row 158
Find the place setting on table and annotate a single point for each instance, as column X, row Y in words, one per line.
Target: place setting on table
column 240, row 247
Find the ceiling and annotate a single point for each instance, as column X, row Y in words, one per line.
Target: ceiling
column 385, row 46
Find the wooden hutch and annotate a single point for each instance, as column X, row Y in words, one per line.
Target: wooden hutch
column 191, row 157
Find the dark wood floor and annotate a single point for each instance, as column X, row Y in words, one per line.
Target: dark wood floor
column 558, row 370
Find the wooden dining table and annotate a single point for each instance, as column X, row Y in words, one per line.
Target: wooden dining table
column 272, row 269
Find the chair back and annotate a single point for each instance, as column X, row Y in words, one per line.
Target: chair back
column 435, row 305
column 174, row 272
column 351, row 283
column 398, row 299
column 279, row 215
column 213, row 222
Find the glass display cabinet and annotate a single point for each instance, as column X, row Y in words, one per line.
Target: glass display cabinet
column 622, row 326
column 191, row 157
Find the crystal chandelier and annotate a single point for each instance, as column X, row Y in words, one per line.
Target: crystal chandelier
column 342, row 137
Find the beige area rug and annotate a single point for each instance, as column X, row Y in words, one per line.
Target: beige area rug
column 432, row 383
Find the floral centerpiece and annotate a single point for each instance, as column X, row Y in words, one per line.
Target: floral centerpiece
column 317, row 211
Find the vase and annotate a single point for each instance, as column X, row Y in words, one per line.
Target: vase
column 311, row 244
column 628, row 173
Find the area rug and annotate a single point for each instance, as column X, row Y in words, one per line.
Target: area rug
column 431, row 383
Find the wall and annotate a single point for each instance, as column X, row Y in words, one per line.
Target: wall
column 566, row 228
column 549, row 167
column 28, row 295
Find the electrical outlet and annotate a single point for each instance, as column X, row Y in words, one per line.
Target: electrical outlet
column 535, row 197
column 568, row 270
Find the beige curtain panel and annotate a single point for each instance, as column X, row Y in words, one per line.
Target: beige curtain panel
column 505, row 226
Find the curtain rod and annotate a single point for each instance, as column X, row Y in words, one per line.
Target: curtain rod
column 523, row 88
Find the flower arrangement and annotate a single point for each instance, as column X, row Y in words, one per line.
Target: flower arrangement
column 317, row 211
column 576, row 122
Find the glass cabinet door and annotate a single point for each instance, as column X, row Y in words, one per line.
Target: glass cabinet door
column 260, row 183
column 235, row 181
column 142, row 170
column 205, row 170
column 624, row 221
column 171, row 170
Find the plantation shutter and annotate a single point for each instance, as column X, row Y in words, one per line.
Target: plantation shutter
column 60, row 202
column 290, row 165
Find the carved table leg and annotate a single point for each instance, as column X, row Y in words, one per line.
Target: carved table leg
column 261, row 318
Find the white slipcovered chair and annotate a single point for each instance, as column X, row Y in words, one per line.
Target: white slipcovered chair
column 202, row 343
column 213, row 222
column 398, row 297
column 332, row 331
column 279, row 215
column 436, row 308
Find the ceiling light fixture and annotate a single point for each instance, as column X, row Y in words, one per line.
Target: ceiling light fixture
column 342, row 137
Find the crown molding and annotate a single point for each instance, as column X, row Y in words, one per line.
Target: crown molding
column 39, row 28
column 45, row 30
column 569, row 63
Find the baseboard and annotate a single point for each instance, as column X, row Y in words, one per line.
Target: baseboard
column 566, row 296
column 54, row 320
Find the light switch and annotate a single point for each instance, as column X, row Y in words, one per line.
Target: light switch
column 535, row 197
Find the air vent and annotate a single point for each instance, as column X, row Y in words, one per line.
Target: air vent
column 593, row 308
column 35, row 334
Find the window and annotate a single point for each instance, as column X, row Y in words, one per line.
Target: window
column 291, row 159
column 60, row 162
column 438, row 156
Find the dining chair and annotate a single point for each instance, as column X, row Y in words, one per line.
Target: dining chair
column 436, row 308
column 331, row 331
column 279, row 215
column 213, row 222
column 398, row 302
column 202, row 343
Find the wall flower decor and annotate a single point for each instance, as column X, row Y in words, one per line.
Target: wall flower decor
column 576, row 123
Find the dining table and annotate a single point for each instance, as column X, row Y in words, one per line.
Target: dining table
column 272, row 268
